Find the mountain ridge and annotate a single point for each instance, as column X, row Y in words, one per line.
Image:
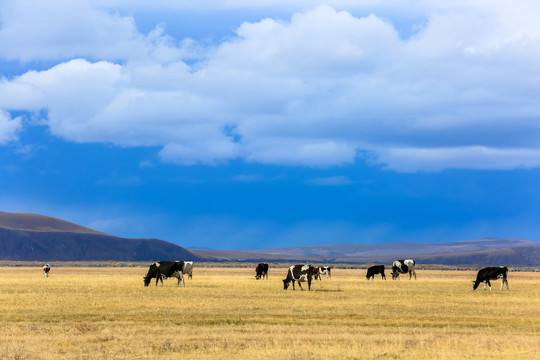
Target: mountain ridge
column 487, row 251
column 395, row 248
column 34, row 237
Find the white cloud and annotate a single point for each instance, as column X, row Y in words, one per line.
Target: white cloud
column 469, row 157
column 63, row 29
column 8, row 127
column 314, row 90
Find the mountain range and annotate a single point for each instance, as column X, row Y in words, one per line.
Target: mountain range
column 34, row 237
column 470, row 252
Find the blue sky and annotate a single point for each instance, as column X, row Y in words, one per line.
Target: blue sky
column 252, row 124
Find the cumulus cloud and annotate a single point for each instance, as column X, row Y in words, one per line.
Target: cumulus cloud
column 8, row 127
column 316, row 89
column 64, row 29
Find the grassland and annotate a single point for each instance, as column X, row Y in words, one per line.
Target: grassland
column 107, row 313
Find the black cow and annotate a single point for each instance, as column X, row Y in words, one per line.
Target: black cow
column 164, row 268
column 375, row 269
column 491, row 273
column 300, row 273
column 403, row 267
column 261, row 271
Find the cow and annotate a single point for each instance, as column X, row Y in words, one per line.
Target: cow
column 300, row 273
column 403, row 267
column 375, row 269
column 188, row 269
column 46, row 269
column 491, row 273
column 317, row 273
column 166, row 268
column 326, row 270
column 261, row 271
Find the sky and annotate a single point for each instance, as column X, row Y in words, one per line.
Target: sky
column 247, row 124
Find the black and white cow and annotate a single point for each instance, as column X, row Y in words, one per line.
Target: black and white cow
column 261, row 271
column 326, row 270
column 300, row 273
column 491, row 273
column 403, row 267
column 167, row 269
column 375, row 269
column 46, row 269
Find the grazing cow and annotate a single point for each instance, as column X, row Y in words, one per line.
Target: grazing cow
column 46, row 269
column 298, row 273
column 326, row 270
column 403, row 267
column 261, row 271
column 491, row 273
column 166, row 268
column 375, row 269
column 188, row 269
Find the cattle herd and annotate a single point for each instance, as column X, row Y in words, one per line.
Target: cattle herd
column 300, row 273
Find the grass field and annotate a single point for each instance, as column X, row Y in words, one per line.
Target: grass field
column 107, row 313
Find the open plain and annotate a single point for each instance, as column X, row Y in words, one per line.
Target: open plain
column 224, row 313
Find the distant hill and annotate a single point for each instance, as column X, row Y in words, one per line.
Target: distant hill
column 33, row 237
column 41, row 223
column 487, row 251
column 363, row 250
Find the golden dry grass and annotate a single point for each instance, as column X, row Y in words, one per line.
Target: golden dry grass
column 107, row 313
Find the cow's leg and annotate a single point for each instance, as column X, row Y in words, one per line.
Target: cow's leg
column 489, row 284
column 414, row 273
column 293, row 284
column 309, row 283
column 504, row 281
column 300, row 284
column 181, row 277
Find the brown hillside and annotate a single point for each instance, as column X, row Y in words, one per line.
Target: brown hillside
column 33, row 237
column 36, row 222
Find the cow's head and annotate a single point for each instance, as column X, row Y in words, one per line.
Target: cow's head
column 395, row 275
column 257, row 276
column 475, row 285
column 147, row 280
column 286, row 284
